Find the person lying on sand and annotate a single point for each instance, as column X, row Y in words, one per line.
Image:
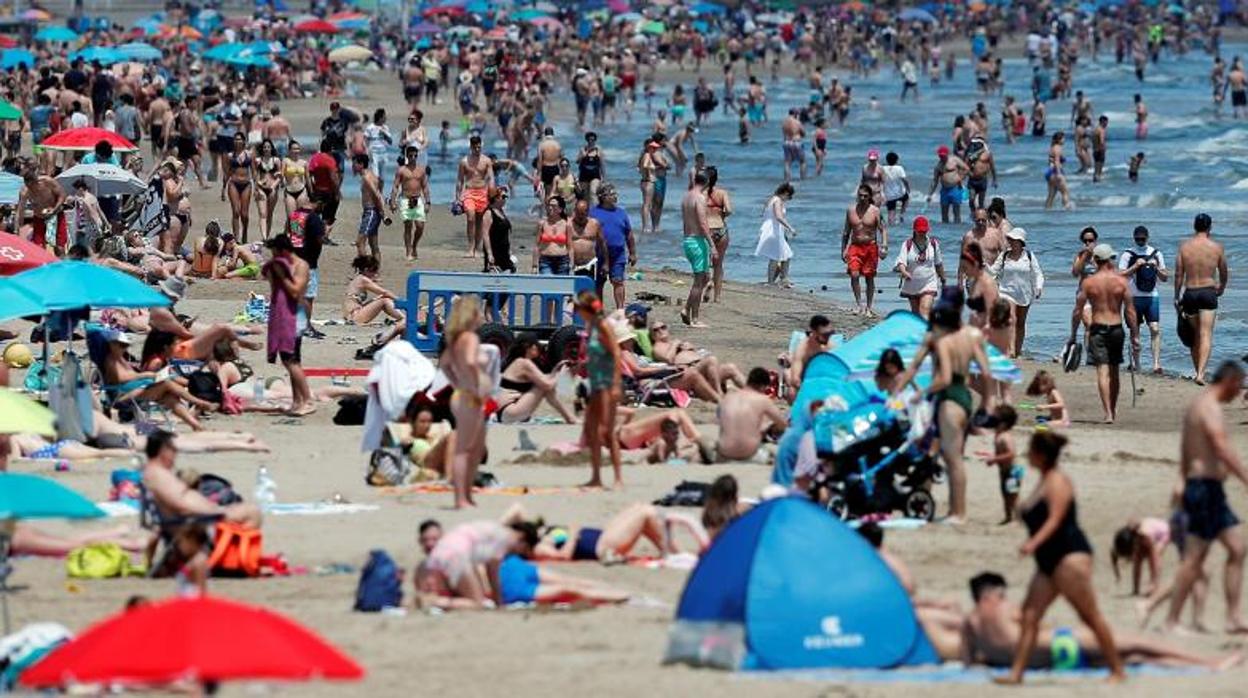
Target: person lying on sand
column 745, row 418
column 615, row 541
column 990, row 632
column 111, row 434
column 520, row 581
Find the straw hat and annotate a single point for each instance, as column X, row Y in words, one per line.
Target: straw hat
column 621, row 329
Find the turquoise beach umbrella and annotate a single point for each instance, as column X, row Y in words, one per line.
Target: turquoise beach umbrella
column 527, row 15
column 16, row 301
column 104, row 55
column 10, row 58
column 220, row 52
column 56, row 34
column 139, row 51
column 24, row 496
column 70, row 285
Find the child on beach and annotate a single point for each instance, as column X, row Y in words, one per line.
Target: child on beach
column 444, row 139
column 743, row 127
column 1045, row 386
column 1133, row 167
column 1001, row 335
column 1003, row 456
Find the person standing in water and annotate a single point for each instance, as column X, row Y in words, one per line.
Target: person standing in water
column 863, row 241
column 1200, row 278
column 1206, row 457
column 698, row 246
column 773, row 236
column 1100, row 145
column 1141, row 118
column 948, row 174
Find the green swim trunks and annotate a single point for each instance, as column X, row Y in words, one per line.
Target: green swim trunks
column 698, row 252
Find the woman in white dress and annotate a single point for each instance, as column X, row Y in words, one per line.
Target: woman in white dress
column 1019, row 281
column 922, row 268
column 773, row 235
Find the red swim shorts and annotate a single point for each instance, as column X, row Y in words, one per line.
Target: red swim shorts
column 475, row 200
column 863, row 258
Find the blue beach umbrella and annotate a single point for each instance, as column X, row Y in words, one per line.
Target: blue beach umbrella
column 139, row 51
column 16, row 301
column 12, row 57
column 70, row 285
column 479, row 7
column 249, row 61
column 708, row 8
column 105, row 55
column 220, row 52
column 25, row 496
column 915, row 14
column 56, row 34
column 528, row 15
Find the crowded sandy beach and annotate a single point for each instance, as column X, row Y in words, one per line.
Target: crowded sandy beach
column 748, row 362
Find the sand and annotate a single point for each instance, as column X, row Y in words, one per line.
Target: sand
column 1121, row 471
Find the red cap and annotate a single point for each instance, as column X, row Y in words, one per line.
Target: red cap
column 942, row 151
column 921, row 225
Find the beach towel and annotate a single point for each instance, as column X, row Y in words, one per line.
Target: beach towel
column 515, row 491
column 399, row 371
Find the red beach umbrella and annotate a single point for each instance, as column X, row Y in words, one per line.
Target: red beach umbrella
column 85, row 139
column 18, row 255
column 201, row 639
column 316, row 26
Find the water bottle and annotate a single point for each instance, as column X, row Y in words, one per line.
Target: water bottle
column 257, row 388
column 266, row 488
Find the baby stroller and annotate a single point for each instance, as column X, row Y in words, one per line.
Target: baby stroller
column 874, row 460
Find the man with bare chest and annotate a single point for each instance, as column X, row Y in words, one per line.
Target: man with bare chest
column 476, row 172
column 1107, row 292
column 863, row 242
column 46, row 199
column 409, row 197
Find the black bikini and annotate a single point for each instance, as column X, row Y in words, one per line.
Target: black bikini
column 239, row 161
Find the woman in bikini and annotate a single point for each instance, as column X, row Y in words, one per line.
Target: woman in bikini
column 617, row 540
column 1055, row 176
column 524, row 386
column 683, row 354
column 294, row 175
column 648, row 164
column 236, row 261
column 268, row 182
column 174, row 189
column 357, row 309
column 981, row 288
column 564, row 185
column 204, row 255
column 461, row 362
column 552, row 254
column 238, row 185
column 124, row 382
column 718, row 208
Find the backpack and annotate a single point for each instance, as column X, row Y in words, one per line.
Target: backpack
column 205, row 385
column 388, row 467
column 1145, row 276
column 217, row 489
column 236, row 551
column 381, row 584
column 351, row 411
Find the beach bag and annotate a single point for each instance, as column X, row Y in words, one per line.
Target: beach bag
column 100, row 561
column 381, row 584
column 1146, row 276
column 205, row 385
column 218, row 489
column 387, row 467
column 351, row 410
column 236, row 552
column 40, row 375
column 687, row 494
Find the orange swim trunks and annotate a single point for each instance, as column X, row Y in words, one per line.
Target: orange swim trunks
column 863, row 258
column 475, row 200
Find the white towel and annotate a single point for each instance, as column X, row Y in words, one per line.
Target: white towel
column 399, row 371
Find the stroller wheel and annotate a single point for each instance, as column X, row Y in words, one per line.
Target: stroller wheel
column 837, row 506
column 938, row 476
column 920, row 504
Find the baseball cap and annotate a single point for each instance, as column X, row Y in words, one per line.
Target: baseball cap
column 1021, row 235
column 1103, row 252
column 921, row 224
column 942, row 151
column 637, row 309
column 873, row 154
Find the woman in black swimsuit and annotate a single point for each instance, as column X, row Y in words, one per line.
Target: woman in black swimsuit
column 268, row 184
column 498, row 235
column 1063, row 558
column 238, row 184
column 590, row 167
column 525, row 386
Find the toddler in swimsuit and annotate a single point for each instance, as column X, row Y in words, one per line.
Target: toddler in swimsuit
column 1003, row 457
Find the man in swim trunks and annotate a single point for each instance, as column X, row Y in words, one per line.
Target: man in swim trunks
column 476, row 172
column 1107, row 292
column 983, row 167
column 46, row 199
column 1237, row 81
column 549, row 153
column 859, row 247
column 409, row 196
column 699, row 249
column 1206, row 457
column 990, row 634
column 949, row 174
column 371, row 215
column 745, row 417
column 1200, row 278
column 792, row 133
column 1100, row 144
column 990, row 239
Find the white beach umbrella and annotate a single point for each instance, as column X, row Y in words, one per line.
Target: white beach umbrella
column 102, row 180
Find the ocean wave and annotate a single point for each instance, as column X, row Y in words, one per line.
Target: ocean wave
column 1157, row 122
column 1241, row 184
column 1191, row 203
column 1233, row 140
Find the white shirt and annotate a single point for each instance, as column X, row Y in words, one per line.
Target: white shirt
column 1128, row 257
column 78, row 120
column 377, row 137
column 894, row 184
column 921, row 265
column 1021, row 280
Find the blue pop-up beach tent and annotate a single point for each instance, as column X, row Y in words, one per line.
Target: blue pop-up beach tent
column 788, row 586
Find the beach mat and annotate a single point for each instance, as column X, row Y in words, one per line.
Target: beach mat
column 956, row 673
column 128, row 508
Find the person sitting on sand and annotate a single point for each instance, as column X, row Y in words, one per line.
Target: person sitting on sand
column 617, row 540
column 1044, row 386
column 357, row 308
column 174, row 497
column 236, row 261
column 816, row 342
column 992, row 631
column 524, row 386
column 722, row 505
column 745, row 417
column 428, row 442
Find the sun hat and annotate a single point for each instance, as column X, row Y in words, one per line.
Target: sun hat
column 1016, row 234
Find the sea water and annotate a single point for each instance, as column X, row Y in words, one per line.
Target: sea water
column 1197, row 161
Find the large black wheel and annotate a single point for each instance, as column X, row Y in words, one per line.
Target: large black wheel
column 920, row 504
column 563, row 345
column 500, row 336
